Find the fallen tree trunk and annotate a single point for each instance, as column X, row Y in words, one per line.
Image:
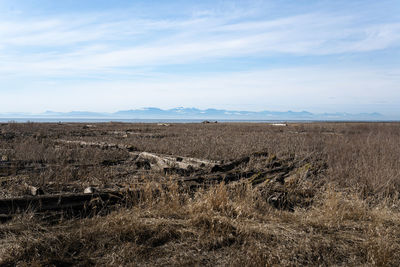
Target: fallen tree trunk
column 203, row 174
column 56, row 202
column 102, row 145
column 165, row 162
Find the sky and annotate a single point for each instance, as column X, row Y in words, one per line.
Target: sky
column 105, row 56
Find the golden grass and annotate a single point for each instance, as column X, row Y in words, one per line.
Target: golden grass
column 223, row 225
column 353, row 218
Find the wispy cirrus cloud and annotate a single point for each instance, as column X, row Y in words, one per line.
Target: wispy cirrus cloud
column 275, row 52
column 66, row 46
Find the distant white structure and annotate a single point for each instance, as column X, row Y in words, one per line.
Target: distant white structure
column 279, row 124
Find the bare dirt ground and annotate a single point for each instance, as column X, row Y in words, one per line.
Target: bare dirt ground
column 200, row 194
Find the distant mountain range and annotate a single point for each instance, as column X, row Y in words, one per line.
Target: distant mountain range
column 199, row 114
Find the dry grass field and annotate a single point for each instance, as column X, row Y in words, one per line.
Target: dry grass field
column 217, row 194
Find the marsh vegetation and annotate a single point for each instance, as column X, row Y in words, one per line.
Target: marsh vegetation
column 203, row 194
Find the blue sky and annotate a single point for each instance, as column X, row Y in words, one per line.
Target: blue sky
column 319, row 56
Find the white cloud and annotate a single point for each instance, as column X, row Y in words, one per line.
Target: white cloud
column 108, row 62
column 89, row 45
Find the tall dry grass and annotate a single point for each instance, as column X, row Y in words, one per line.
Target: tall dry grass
column 223, row 225
column 352, row 220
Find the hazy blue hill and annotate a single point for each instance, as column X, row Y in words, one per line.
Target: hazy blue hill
column 144, row 111
column 72, row 114
column 287, row 113
column 84, row 114
column 194, row 113
column 200, row 114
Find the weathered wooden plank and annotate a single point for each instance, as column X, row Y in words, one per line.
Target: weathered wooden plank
column 59, row 202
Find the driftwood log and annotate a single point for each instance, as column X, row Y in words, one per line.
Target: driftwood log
column 192, row 173
column 64, row 202
column 102, row 145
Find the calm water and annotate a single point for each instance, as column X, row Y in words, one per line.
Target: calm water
column 93, row 120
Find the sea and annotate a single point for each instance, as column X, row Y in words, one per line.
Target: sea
column 102, row 120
